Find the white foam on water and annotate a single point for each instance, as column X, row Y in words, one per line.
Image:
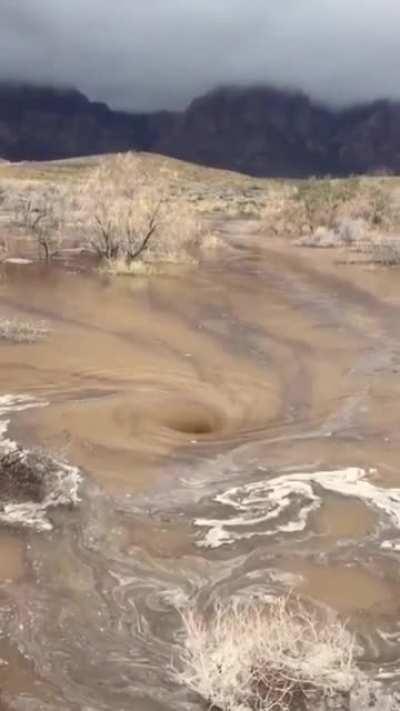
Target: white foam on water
column 62, row 489
column 18, row 260
column 60, row 481
column 8, row 405
column 262, row 508
column 17, row 403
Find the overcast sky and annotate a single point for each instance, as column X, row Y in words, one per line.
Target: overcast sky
column 151, row 54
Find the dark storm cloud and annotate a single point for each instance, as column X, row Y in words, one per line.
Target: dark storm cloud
column 145, row 54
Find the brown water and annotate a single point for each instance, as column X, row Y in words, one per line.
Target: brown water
column 236, row 432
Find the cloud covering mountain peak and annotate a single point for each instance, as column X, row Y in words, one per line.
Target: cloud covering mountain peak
column 160, row 53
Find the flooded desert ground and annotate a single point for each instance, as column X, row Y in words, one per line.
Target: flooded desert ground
column 233, row 431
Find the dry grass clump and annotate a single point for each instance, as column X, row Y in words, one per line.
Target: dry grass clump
column 15, row 330
column 279, row 656
column 128, row 216
column 148, row 268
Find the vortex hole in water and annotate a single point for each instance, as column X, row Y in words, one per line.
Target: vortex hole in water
column 193, row 422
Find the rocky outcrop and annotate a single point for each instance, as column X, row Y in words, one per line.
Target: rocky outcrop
column 268, row 132
column 260, row 131
column 43, row 123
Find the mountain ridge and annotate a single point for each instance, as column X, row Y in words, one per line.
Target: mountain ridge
column 261, row 131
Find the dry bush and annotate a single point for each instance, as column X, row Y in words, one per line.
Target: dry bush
column 385, row 251
column 273, row 657
column 303, row 208
column 374, row 204
column 346, row 232
column 330, row 213
column 127, row 216
column 373, row 697
column 306, row 206
column 321, row 200
column 16, row 330
column 41, row 212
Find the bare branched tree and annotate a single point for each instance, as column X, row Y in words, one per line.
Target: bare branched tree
column 41, row 214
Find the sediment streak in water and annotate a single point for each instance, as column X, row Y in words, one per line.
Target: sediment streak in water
column 196, row 400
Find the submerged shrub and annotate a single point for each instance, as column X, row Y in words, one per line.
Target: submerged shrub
column 16, row 330
column 278, row 656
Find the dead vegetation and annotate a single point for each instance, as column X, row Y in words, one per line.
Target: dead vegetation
column 138, row 212
column 278, row 656
column 129, row 218
column 361, row 215
column 42, row 215
column 39, row 213
column 132, row 214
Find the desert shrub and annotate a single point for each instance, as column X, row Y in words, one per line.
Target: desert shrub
column 373, row 697
column 346, row 232
column 328, row 212
column 385, row 251
column 272, row 657
column 350, row 231
column 321, row 200
column 41, row 212
column 373, row 203
column 302, row 208
column 127, row 215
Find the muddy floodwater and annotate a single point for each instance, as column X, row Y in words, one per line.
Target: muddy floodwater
column 233, row 431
